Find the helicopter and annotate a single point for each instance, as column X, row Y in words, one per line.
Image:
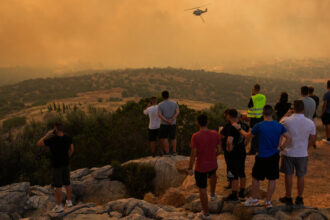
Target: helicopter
column 198, row 12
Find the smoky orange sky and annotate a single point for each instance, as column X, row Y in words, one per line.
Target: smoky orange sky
column 145, row 33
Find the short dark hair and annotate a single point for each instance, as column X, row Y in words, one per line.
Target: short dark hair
column 298, row 106
column 257, row 87
column 233, row 113
column 202, row 120
column 304, row 90
column 226, row 112
column 59, row 126
column 153, row 99
column 284, row 97
column 268, row 110
column 328, row 84
column 165, row 94
column 310, row 89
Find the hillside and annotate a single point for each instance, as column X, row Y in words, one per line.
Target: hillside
column 197, row 85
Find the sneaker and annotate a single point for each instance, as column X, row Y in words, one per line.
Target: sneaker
column 205, row 217
column 229, row 185
column 168, row 155
column 174, row 153
column 286, row 200
column 231, row 197
column 58, row 209
column 268, row 204
column 68, row 203
column 251, row 202
column 213, row 197
column 299, row 201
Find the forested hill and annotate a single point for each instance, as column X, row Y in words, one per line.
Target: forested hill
column 232, row 90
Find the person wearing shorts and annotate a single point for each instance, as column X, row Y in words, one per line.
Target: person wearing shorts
column 205, row 146
column 317, row 102
column 154, row 123
column 326, row 113
column 269, row 134
column 168, row 111
column 235, row 146
column 61, row 148
column 295, row 156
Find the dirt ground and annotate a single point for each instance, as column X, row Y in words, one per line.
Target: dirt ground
column 317, row 181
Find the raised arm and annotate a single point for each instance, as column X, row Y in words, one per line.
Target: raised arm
column 71, row 150
column 41, row 142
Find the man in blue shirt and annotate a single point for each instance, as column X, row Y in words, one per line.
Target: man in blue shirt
column 269, row 136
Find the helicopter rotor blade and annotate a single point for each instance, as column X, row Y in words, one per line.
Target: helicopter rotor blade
column 196, row 7
column 202, row 19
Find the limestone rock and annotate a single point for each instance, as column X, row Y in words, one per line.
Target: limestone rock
column 78, row 174
column 174, row 197
column 13, row 197
column 214, row 206
column 167, row 174
column 263, row 217
column 103, row 172
column 189, row 183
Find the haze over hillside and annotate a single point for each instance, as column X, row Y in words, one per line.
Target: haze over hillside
column 130, row 33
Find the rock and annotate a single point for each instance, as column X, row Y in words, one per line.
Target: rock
column 13, row 197
column 191, row 197
column 149, row 197
column 228, row 206
column 189, row 184
column 263, row 217
column 4, row 216
column 70, row 211
column 103, row 172
column 174, row 197
column 100, row 192
column 325, row 212
column 115, row 214
column 214, row 206
column 40, row 191
column 226, row 216
column 134, row 217
column 283, row 216
column 88, row 217
column 167, row 175
column 315, row 216
column 77, row 174
column 246, row 213
column 149, row 209
column 262, row 193
column 137, row 210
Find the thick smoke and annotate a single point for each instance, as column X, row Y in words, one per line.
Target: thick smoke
column 140, row 33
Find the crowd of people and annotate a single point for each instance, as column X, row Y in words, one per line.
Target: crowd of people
column 280, row 145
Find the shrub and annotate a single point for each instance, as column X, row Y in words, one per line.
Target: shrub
column 138, row 178
column 99, row 99
column 114, row 99
column 15, row 122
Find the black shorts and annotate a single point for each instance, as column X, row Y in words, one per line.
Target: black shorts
column 326, row 118
column 153, row 134
column 266, row 167
column 167, row 131
column 201, row 178
column 61, row 176
column 236, row 164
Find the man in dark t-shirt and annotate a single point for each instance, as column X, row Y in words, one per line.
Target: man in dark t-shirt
column 235, row 146
column 317, row 102
column 61, row 148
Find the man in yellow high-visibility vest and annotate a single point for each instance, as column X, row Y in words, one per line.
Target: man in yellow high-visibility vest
column 256, row 105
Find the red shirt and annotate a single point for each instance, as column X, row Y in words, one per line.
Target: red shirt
column 205, row 143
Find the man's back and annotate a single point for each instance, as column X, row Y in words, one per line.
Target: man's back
column 310, row 107
column 152, row 112
column 59, row 148
column 326, row 98
column 268, row 134
column 300, row 128
column 206, row 143
column 168, row 109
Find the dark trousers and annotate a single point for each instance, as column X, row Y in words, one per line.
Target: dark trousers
column 254, row 141
column 226, row 155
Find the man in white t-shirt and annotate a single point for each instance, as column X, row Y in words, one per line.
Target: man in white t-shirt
column 154, row 123
column 295, row 156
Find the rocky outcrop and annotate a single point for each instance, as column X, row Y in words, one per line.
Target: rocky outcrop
column 170, row 171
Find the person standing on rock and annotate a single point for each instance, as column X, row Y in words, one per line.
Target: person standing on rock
column 61, row 148
column 205, row 146
column 270, row 134
column 168, row 111
column 256, row 104
column 309, row 103
column 235, row 146
column 295, row 156
column 326, row 113
column 154, row 123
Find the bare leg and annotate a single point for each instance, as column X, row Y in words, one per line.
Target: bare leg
column 242, row 182
column 165, row 146
column 234, row 185
column 288, row 185
column 58, row 192
column 213, row 183
column 271, row 189
column 300, row 185
column 203, row 197
column 173, row 143
column 327, row 130
column 255, row 188
column 68, row 192
column 153, row 146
